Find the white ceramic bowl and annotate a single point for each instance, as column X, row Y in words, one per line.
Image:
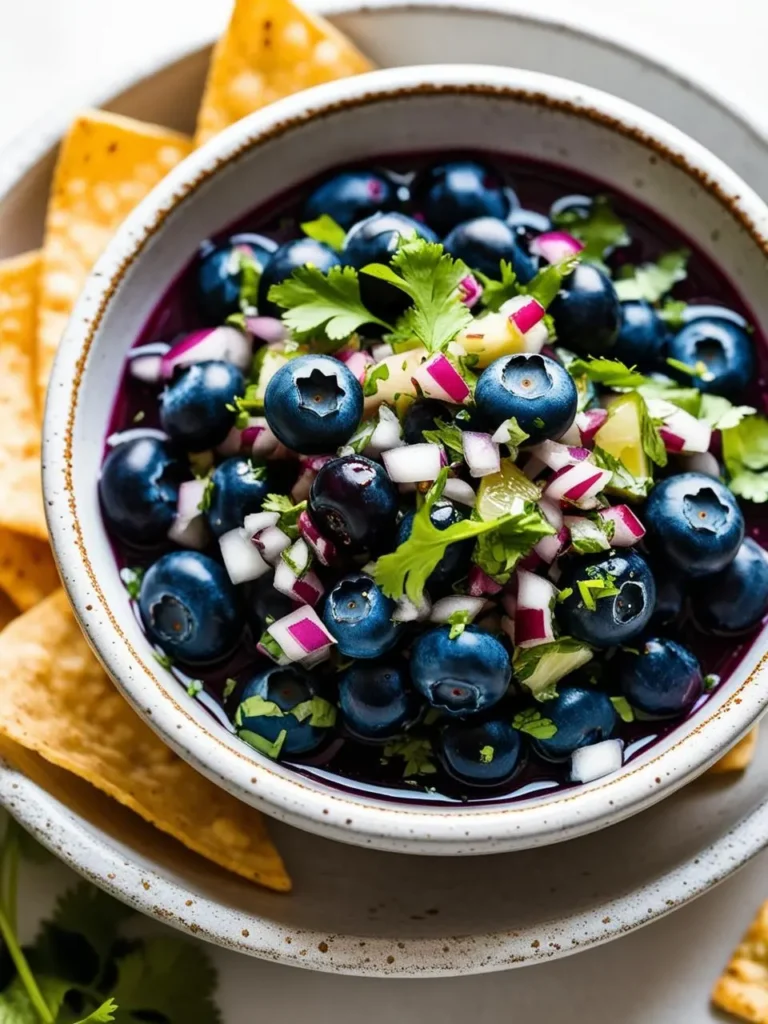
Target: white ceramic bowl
column 423, row 108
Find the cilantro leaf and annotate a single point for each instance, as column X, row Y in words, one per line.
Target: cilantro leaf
column 591, row 590
column 430, row 277
column 131, row 579
column 623, row 709
column 698, row 370
column 515, row 535
column 448, row 435
column 721, row 414
column 163, row 660
column 405, row 570
column 325, row 304
column 264, row 746
column 652, row 281
column 417, row 754
column 650, row 438
column 372, row 377
column 673, row 313
column 229, row 689
column 687, row 399
column 258, row 707
column 600, row 230
column 545, row 286
column 320, row 712
column 288, row 512
column 250, row 276
column 539, row 669
column 611, row 373
column 622, row 481
column 745, row 453
column 534, row 724
column 103, row 1014
column 487, row 754
column 361, row 437
column 168, row 979
column 17, row 1005
column 458, row 621
column 325, row 230
column 496, row 293
column 511, row 433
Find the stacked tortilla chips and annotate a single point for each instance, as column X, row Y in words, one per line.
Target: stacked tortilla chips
column 59, row 712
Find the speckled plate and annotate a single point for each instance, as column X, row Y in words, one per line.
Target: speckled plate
column 354, row 910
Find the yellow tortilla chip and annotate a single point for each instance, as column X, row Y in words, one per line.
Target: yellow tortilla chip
column 107, row 165
column 743, row 988
column 27, row 569
column 56, row 700
column 739, row 757
column 271, row 49
column 22, row 505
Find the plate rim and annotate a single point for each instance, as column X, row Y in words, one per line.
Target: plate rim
column 727, row 854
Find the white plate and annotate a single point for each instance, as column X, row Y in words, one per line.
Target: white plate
column 354, row 910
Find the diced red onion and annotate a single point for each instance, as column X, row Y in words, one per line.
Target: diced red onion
column 306, row 589
column 628, row 529
column 387, row 433
column 271, row 543
column 555, row 246
column 324, row 549
column 533, row 616
column 552, row 512
column 589, row 422
column 439, row 378
column 596, row 761
column 381, row 351
column 135, row 434
column 357, row 362
column 406, row 610
column 557, row 456
column 682, row 432
column 578, row 484
column 530, row 562
column 459, row 490
column 267, row 328
column 145, row 362
column 526, row 316
column 241, row 558
column 480, row 584
column 300, row 633
column 470, row 290
column 225, row 344
column 413, row 463
column 701, row 462
column 315, row 462
column 480, row 453
column 548, row 548
column 581, row 527
column 443, row 609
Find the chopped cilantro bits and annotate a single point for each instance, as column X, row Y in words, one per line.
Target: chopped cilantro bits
column 534, row 724
column 131, row 579
column 204, row 505
column 745, row 453
column 512, row 538
column 163, row 660
column 612, row 373
column 325, row 230
column 496, row 293
column 416, row 753
column 652, row 281
column 448, row 435
column 250, row 276
column 721, row 414
column 288, row 511
column 458, row 621
column 592, row 590
column 373, row 375
column 600, row 230
column 623, row 709
column 487, row 754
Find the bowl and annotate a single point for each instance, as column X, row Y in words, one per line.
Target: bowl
column 393, row 111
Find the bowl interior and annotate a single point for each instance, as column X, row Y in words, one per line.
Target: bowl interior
column 510, row 113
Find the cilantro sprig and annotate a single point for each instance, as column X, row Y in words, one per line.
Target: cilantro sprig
column 745, row 453
column 288, row 511
column 404, row 572
column 328, row 305
column 611, row 373
column 600, row 230
column 652, row 281
column 514, row 536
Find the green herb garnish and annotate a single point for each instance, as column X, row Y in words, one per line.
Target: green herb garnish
column 326, row 305
column 539, row 669
column 204, row 505
column 496, row 293
column 131, row 579
column 250, row 276
column 590, row 535
column 229, row 689
column 652, row 281
column 264, row 746
column 486, row 754
column 698, row 370
column 288, row 512
column 458, row 621
column 745, row 453
column 533, row 723
column 721, row 414
column 194, row 686
column 325, row 230
column 417, row 754
column 163, row 660
column 446, row 434
column 622, row 481
column 320, row 712
column 516, row 535
column 596, row 587
column 372, row 377
column 600, row 230
column 623, row 709
column 611, row 373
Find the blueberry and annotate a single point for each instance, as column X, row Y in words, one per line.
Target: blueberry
column 139, row 489
column 734, row 600
column 461, row 676
column 582, row 717
column 454, row 565
column 360, row 617
column 376, row 701
column 527, row 225
column 313, row 404
column 483, row 243
column 538, row 391
column 273, row 733
column 670, row 597
column 480, row 753
column 706, row 311
column 587, row 312
column 594, row 614
column 375, row 240
column 220, row 274
column 354, row 503
column 238, row 488
column 263, row 604
column 421, row 415
column 642, row 336
column 197, row 408
column 349, row 196
column 448, row 194
column 190, row 608
column 282, row 263
column 663, row 680
column 726, row 350
column 694, row 523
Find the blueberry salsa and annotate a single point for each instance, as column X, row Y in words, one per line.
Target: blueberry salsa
column 445, row 478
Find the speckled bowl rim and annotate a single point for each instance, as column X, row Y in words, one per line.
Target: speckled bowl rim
column 291, row 798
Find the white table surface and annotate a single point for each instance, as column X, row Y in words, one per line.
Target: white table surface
column 56, row 53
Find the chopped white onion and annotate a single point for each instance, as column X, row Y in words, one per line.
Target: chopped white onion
column 406, row 610
column 271, row 543
column 480, row 453
column 241, row 558
column 596, row 761
column 300, row 633
column 387, row 433
column 443, row 609
column 683, row 433
column 145, row 362
column 558, row 456
column 135, row 434
column 578, row 484
column 459, row 490
column 413, row 463
column 255, row 522
column 225, row 344
column 381, row 351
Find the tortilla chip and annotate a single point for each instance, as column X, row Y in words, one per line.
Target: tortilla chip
column 271, row 49
column 107, row 165
column 27, row 569
column 739, row 757
column 22, row 504
column 743, row 988
column 56, row 700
